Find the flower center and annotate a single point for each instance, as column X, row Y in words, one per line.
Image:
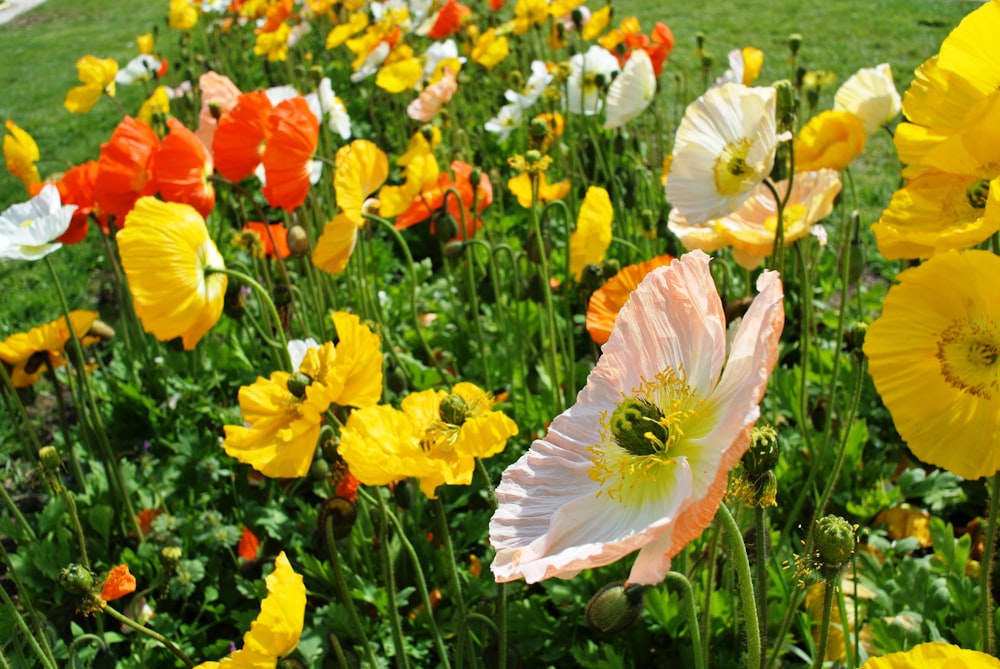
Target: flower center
column 641, row 437
column 977, row 193
column 969, row 352
column 731, row 170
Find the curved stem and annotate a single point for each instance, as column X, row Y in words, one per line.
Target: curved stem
column 738, row 553
column 692, row 615
column 142, row 629
column 268, row 302
column 345, row 593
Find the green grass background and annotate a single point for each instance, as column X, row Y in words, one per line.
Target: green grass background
column 40, row 49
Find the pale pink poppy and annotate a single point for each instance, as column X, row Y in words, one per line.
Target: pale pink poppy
column 596, row 487
column 433, row 98
column 218, row 90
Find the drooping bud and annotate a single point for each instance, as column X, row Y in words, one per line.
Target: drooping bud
column 445, row 227
column 298, row 241
column 329, row 441
column 340, row 514
column 636, row 427
column 76, row 579
column 615, row 607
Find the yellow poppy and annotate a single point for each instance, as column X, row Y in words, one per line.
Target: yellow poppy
column 335, row 244
column 597, row 23
column 284, row 413
column 529, row 13
column 490, row 49
column 340, row 33
column 21, row 153
column 422, row 172
column 29, row 352
column 934, row 355
column 145, row 43
column 592, row 236
column 436, row 438
column 167, row 256
column 360, row 169
column 520, row 186
column 157, row 105
column 276, row 631
column 183, row 15
column 401, row 71
column 98, row 77
column 273, row 44
column 830, row 140
column 934, row 655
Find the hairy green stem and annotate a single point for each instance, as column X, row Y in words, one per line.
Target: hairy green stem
column 345, row 593
column 741, row 562
column 986, row 568
column 142, row 629
column 692, row 615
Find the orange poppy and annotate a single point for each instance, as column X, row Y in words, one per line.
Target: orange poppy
column 432, row 199
column 145, row 519
column 239, row 140
column 220, row 94
column 608, row 300
column 272, row 235
column 294, row 134
column 277, row 14
column 249, row 545
column 77, row 187
column 662, row 43
column 182, row 167
column 120, row 582
column 449, row 20
column 123, row 174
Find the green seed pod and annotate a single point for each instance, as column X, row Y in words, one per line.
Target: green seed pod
column 297, row 384
column 835, row 539
column 615, row 607
column 76, row 579
column 453, row 409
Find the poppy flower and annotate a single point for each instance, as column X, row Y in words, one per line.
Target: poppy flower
column 98, row 77
column 433, row 98
column 141, row 68
column 273, row 237
column 422, row 174
column 273, row 44
column 641, row 461
column 631, row 91
column 21, row 153
column 29, row 230
column 829, row 140
column 239, row 141
column 529, row 13
column 123, row 169
column 871, row 95
column 167, row 256
column 660, row 46
column 118, row 583
column 933, row 355
column 276, row 631
column 436, row 437
column 448, row 20
column 400, row 71
column 520, row 187
column 181, row 169
column 589, row 75
column 249, row 545
column 490, row 49
column 76, row 187
column 433, row 199
column 284, row 413
column 592, row 236
column 29, row 353
column 218, row 96
column 607, row 301
column 183, row 15
column 750, row 230
column 724, row 147
column 292, row 140
column 360, row 169
column 744, row 66
column 934, row 655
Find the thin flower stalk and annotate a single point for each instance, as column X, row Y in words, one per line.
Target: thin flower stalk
column 38, row 640
column 345, row 593
column 398, row 641
column 142, row 629
column 986, row 569
column 74, row 461
column 741, row 563
column 270, row 309
column 831, row 585
column 452, row 568
column 688, row 599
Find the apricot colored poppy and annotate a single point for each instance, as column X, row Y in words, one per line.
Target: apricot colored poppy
column 294, row 134
column 182, row 168
column 238, row 145
column 219, row 95
column 607, row 301
column 123, row 174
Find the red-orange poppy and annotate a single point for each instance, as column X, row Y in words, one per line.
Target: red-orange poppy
column 277, row 14
column 182, row 167
column 273, row 235
column 123, row 174
column 608, row 300
column 294, row 134
column 449, row 20
column 77, row 187
column 120, row 582
column 145, row 519
column 249, row 545
column 662, row 43
column 239, row 140
column 432, row 199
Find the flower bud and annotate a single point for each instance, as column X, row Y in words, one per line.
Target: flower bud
column 170, row 556
column 835, row 540
column 610, row 267
column 50, row 458
column 785, row 105
column 615, row 607
column 794, row 42
column 531, row 247
column 339, row 513
column 854, row 338
column 329, row 441
column 454, row 249
column 762, row 455
column 76, row 579
column 319, row 470
column 298, row 241
column 101, row 330
column 445, row 227
column 297, row 384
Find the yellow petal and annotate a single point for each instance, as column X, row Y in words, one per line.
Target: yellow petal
column 592, row 237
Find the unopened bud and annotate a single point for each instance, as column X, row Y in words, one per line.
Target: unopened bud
column 445, row 227
column 339, row 514
column 784, row 105
column 615, row 607
column 762, row 455
column 794, row 42
column 835, row 540
column 454, row 249
column 101, row 330
column 298, row 241
column 319, row 470
column 50, row 458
